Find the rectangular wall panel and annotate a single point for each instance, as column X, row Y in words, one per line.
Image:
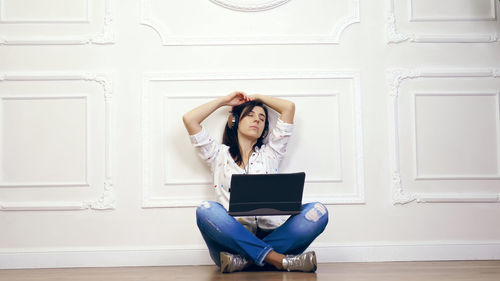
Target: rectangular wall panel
column 457, row 135
column 56, row 22
column 455, row 10
column 44, row 11
column 55, row 142
column 175, row 176
column 446, row 135
column 251, row 23
column 425, row 21
column 44, row 140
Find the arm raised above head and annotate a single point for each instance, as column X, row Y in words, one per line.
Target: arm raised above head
column 284, row 107
column 192, row 119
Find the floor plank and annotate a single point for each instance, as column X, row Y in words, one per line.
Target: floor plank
column 388, row 271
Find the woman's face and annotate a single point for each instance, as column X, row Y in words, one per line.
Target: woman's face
column 253, row 124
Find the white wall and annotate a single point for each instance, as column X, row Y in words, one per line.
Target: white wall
column 397, row 123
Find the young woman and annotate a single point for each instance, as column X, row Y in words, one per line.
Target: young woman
column 236, row 243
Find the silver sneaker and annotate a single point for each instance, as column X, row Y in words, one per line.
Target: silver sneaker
column 305, row 262
column 231, row 262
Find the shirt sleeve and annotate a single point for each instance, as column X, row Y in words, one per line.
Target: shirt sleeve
column 278, row 139
column 206, row 146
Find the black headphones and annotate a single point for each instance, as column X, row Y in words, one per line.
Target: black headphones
column 234, row 119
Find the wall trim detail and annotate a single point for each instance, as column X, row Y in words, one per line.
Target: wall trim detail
column 169, row 39
column 107, row 198
column 254, row 6
column 150, row 201
column 85, row 19
column 491, row 17
column 396, row 76
column 85, row 182
column 394, row 36
column 198, row 254
column 423, row 177
column 105, row 36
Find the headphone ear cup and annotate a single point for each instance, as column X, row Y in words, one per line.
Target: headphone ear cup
column 232, row 121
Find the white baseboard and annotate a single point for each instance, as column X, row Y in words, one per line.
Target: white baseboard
column 408, row 252
column 198, row 255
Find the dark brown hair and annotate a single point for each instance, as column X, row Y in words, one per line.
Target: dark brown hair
column 230, row 137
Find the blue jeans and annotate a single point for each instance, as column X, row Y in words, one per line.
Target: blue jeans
column 223, row 233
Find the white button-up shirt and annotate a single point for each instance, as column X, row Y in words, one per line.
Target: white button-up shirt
column 265, row 160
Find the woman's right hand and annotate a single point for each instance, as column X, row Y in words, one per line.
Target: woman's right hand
column 235, row 98
column 192, row 119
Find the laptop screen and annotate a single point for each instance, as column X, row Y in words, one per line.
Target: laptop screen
column 266, row 194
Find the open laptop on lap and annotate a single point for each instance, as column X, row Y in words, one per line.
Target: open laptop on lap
column 266, row 194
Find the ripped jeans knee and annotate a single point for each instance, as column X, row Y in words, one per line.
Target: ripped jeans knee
column 208, row 214
column 208, row 208
column 205, row 204
column 316, row 212
column 316, row 215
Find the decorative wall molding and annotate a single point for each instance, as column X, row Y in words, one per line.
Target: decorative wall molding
column 85, row 19
column 151, row 201
column 250, row 6
column 105, row 36
column 107, row 198
column 491, row 17
column 421, row 177
column 396, row 77
column 393, row 35
column 84, row 183
column 198, row 254
column 168, row 38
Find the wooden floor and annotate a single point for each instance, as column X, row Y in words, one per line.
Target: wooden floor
column 400, row 271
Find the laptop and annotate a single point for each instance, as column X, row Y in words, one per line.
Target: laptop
column 266, row 194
